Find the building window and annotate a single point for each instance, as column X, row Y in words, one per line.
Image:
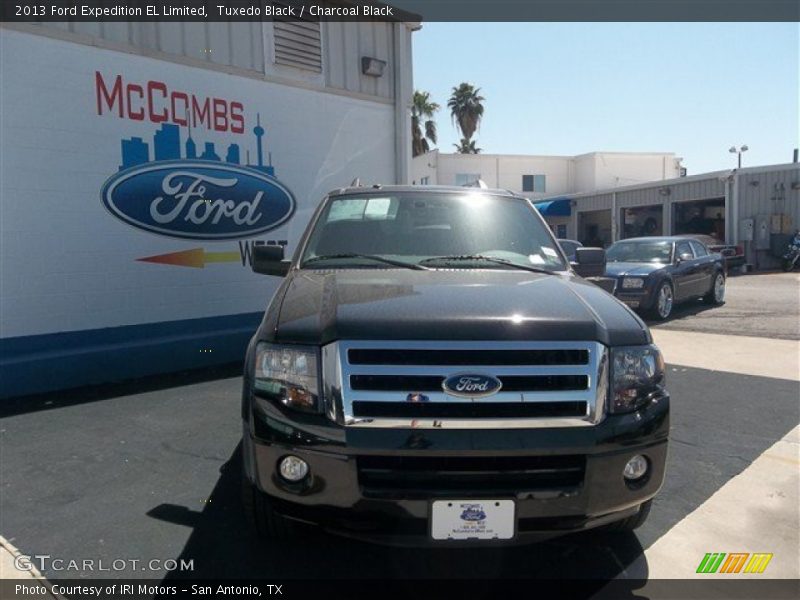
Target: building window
column 467, row 178
column 534, row 183
column 424, row 180
column 298, row 44
column 527, row 183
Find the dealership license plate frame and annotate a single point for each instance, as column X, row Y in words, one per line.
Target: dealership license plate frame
column 447, row 524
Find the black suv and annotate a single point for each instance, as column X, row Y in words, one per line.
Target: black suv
column 433, row 370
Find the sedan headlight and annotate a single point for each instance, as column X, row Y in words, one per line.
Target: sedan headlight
column 632, row 283
column 288, row 374
column 636, row 372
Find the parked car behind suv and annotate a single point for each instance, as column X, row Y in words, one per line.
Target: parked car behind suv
column 655, row 273
column 569, row 247
column 732, row 254
column 433, row 370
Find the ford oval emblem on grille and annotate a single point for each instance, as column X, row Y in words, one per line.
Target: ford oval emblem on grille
column 471, row 385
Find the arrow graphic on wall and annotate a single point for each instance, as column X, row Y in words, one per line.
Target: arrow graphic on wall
column 196, row 258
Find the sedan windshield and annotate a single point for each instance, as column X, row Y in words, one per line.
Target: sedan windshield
column 457, row 230
column 640, row 251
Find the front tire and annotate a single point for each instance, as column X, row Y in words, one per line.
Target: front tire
column 664, row 301
column 268, row 524
column 716, row 295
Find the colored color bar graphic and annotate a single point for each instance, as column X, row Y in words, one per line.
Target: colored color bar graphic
column 196, row 258
column 713, row 562
column 734, row 562
column 758, row 562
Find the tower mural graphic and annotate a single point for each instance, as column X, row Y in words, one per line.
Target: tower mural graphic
column 167, row 146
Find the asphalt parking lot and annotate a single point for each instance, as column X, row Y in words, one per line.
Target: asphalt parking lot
column 151, row 471
column 760, row 305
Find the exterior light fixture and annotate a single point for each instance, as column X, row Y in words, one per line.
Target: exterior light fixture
column 373, row 67
column 738, row 151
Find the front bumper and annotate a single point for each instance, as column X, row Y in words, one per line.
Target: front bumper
column 335, row 495
column 638, row 299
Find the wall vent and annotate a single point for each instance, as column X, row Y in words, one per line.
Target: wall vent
column 298, row 44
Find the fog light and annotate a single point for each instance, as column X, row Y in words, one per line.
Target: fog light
column 293, row 468
column 636, row 468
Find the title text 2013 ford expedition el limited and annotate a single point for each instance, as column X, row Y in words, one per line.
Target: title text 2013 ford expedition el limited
column 431, row 370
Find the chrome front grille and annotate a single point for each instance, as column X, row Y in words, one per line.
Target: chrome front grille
column 399, row 384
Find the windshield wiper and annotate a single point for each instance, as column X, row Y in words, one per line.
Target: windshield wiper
column 375, row 257
column 491, row 259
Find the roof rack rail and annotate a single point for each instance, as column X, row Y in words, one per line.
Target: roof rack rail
column 478, row 183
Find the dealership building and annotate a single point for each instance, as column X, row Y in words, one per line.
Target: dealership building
column 125, row 147
column 755, row 207
column 540, row 176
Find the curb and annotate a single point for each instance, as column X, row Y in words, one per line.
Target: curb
column 7, row 547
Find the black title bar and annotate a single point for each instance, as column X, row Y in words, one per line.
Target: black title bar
column 734, row 588
column 21, row 11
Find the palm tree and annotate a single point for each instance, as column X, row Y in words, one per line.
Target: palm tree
column 467, row 147
column 422, row 110
column 466, row 110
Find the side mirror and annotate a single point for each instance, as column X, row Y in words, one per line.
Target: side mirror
column 685, row 256
column 268, row 260
column 591, row 262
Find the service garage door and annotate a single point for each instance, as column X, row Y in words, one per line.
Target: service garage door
column 641, row 221
column 594, row 228
column 700, row 216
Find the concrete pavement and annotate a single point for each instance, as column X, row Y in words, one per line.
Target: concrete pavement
column 761, row 357
column 756, row 512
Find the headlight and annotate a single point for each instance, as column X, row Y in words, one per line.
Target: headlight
column 288, row 374
column 632, row 283
column 635, row 373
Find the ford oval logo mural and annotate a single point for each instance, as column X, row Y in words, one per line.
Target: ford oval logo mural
column 198, row 199
column 471, row 385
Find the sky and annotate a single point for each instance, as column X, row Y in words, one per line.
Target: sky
column 694, row 89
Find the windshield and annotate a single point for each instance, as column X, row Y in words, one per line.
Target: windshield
column 461, row 230
column 640, row 251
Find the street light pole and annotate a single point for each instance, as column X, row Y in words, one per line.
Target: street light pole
column 739, row 151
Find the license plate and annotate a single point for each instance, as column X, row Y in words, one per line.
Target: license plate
column 632, row 303
column 472, row 520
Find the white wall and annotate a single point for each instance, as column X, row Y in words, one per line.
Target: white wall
column 613, row 169
column 69, row 264
column 585, row 172
column 564, row 174
column 425, row 165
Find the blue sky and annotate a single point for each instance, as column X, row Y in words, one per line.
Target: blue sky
column 694, row 89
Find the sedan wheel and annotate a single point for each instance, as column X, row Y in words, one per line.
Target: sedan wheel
column 664, row 301
column 717, row 293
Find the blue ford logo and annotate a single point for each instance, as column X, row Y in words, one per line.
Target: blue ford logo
column 472, row 512
column 471, row 385
column 199, row 200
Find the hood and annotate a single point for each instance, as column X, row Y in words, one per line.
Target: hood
column 618, row 269
column 318, row 307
